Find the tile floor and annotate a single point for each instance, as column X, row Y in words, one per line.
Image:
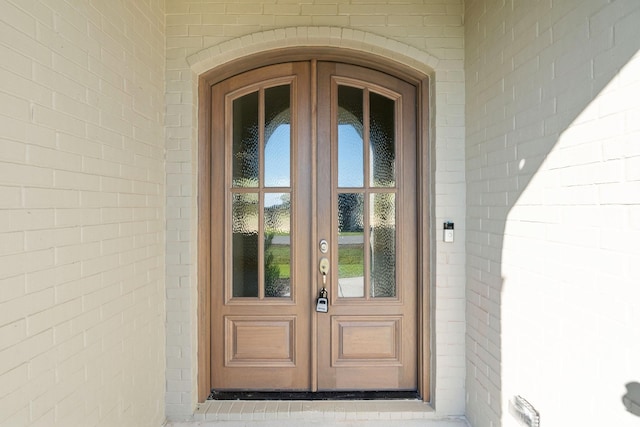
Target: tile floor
column 361, row 413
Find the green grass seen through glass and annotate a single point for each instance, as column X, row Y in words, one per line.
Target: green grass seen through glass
column 349, row 260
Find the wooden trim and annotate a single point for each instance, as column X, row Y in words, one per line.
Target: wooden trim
column 424, row 248
column 204, row 239
column 424, row 184
column 310, row 53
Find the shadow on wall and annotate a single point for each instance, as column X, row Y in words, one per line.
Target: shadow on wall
column 548, row 196
column 631, row 400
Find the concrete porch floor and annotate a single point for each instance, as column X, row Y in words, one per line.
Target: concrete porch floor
column 361, row 413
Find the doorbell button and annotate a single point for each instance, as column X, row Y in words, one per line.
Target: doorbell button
column 448, row 232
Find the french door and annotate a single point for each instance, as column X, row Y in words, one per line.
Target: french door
column 313, row 194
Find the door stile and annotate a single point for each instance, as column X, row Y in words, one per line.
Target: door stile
column 324, row 178
column 303, row 152
column 314, row 221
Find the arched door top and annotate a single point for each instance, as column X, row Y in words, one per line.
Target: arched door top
column 340, row 43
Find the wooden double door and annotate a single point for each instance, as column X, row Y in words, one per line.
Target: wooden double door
column 313, row 186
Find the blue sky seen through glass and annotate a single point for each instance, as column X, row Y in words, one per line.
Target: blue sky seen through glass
column 350, row 157
column 350, row 154
column 277, row 157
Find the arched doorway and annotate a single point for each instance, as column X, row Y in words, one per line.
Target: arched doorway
column 293, row 155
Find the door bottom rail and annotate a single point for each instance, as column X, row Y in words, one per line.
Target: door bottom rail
column 321, row 395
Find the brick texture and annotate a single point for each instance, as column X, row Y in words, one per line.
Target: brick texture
column 427, row 35
column 552, row 208
column 82, row 214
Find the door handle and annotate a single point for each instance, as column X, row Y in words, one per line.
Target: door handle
column 324, row 269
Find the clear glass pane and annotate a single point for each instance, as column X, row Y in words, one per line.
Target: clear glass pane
column 350, row 137
column 245, row 245
column 383, row 245
column 382, row 141
column 350, row 245
column 277, row 136
column 277, row 245
column 246, row 141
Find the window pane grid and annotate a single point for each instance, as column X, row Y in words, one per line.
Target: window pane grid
column 366, row 208
column 261, row 194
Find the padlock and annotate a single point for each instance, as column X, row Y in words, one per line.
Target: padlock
column 322, row 305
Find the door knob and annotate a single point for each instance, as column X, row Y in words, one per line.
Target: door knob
column 324, row 266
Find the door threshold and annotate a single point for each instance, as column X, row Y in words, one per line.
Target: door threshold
column 320, row 395
column 313, row 410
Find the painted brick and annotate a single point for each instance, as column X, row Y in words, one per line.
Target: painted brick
column 545, row 256
column 72, row 81
column 287, row 25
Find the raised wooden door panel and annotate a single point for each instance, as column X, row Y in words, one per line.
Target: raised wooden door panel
column 366, row 340
column 260, row 227
column 367, row 210
column 260, row 341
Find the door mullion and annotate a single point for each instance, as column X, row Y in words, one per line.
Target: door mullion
column 314, row 218
column 366, row 235
column 261, row 180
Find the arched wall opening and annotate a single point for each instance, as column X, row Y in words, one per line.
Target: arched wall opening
column 205, row 167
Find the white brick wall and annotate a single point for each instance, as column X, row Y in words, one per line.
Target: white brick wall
column 553, row 201
column 82, row 212
column 422, row 34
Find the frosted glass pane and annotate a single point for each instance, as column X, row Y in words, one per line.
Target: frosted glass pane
column 277, row 136
column 382, row 141
column 350, row 137
column 277, row 245
column 246, row 141
column 383, row 245
column 245, row 245
column 350, row 245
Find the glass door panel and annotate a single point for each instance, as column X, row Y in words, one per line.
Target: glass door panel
column 277, row 245
column 246, row 141
column 351, row 251
column 382, row 245
column 382, row 149
column 366, row 261
column 350, row 137
column 245, row 245
column 277, row 136
column 261, row 193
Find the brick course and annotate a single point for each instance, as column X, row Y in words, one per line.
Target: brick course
column 550, row 89
column 82, row 213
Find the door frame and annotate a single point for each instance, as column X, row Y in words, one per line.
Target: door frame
column 206, row 165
